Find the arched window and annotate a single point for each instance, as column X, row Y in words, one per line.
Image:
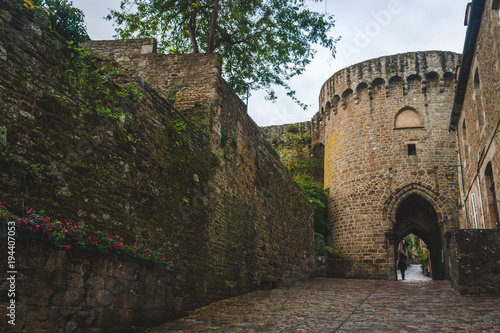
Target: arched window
column 408, row 118
column 492, row 197
column 479, row 99
column 328, row 108
column 473, row 211
column 432, row 81
column 414, row 83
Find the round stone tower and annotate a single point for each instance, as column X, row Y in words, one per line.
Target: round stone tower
column 389, row 160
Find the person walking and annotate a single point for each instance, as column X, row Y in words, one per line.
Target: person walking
column 402, row 268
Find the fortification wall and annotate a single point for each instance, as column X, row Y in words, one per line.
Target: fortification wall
column 217, row 201
column 370, row 114
column 245, row 161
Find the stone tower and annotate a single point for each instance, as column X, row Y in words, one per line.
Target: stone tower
column 390, row 161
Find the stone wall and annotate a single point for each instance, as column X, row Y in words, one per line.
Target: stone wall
column 81, row 291
column 246, row 167
column 122, row 49
column 369, row 170
column 187, row 81
column 475, row 261
column 115, row 154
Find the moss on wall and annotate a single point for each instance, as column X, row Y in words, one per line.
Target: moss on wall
column 92, row 142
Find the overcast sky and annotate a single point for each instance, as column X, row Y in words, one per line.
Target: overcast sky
column 368, row 29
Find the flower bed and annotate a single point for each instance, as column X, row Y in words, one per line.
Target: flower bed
column 67, row 235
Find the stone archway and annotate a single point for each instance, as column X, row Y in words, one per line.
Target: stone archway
column 417, row 208
column 415, row 215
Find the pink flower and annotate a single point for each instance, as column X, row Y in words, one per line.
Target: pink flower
column 68, row 247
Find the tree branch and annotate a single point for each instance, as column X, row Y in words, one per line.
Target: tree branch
column 192, row 31
column 213, row 25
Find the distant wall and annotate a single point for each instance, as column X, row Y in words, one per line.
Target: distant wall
column 187, row 81
column 293, row 143
column 475, row 261
column 201, row 186
column 123, row 49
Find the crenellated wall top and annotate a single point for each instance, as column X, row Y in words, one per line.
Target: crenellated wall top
column 400, row 68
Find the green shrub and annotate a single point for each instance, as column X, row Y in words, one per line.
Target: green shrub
column 319, row 244
column 334, row 253
column 292, row 128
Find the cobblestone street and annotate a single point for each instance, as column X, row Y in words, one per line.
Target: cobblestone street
column 413, row 273
column 338, row 305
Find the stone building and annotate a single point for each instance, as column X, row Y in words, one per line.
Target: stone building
column 396, row 164
column 475, row 117
column 390, row 162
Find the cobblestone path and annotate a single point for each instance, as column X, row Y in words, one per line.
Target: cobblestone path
column 413, row 273
column 338, row 305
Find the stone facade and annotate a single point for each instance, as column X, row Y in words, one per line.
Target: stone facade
column 201, row 185
column 476, row 117
column 390, row 162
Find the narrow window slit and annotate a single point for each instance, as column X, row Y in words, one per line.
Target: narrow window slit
column 412, row 149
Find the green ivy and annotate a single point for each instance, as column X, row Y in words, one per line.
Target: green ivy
column 315, row 193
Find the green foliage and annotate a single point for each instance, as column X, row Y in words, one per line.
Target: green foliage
column 334, row 253
column 171, row 94
column 179, row 126
column 423, row 255
column 35, row 173
column 319, row 244
column 315, row 193
column 3, row 137
column 60, row 16
column 292, row 128
column 78, row 77
column 309, row 165
column 262, row 42
column 107, row 113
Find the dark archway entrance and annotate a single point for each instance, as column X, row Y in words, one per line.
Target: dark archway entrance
column 415, row 215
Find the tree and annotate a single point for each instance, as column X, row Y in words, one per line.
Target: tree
column 60, row 16
column 262, row 42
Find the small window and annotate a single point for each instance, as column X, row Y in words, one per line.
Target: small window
column 412, row 149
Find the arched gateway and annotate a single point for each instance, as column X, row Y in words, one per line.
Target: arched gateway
column 390, row 163
column 416, row 209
